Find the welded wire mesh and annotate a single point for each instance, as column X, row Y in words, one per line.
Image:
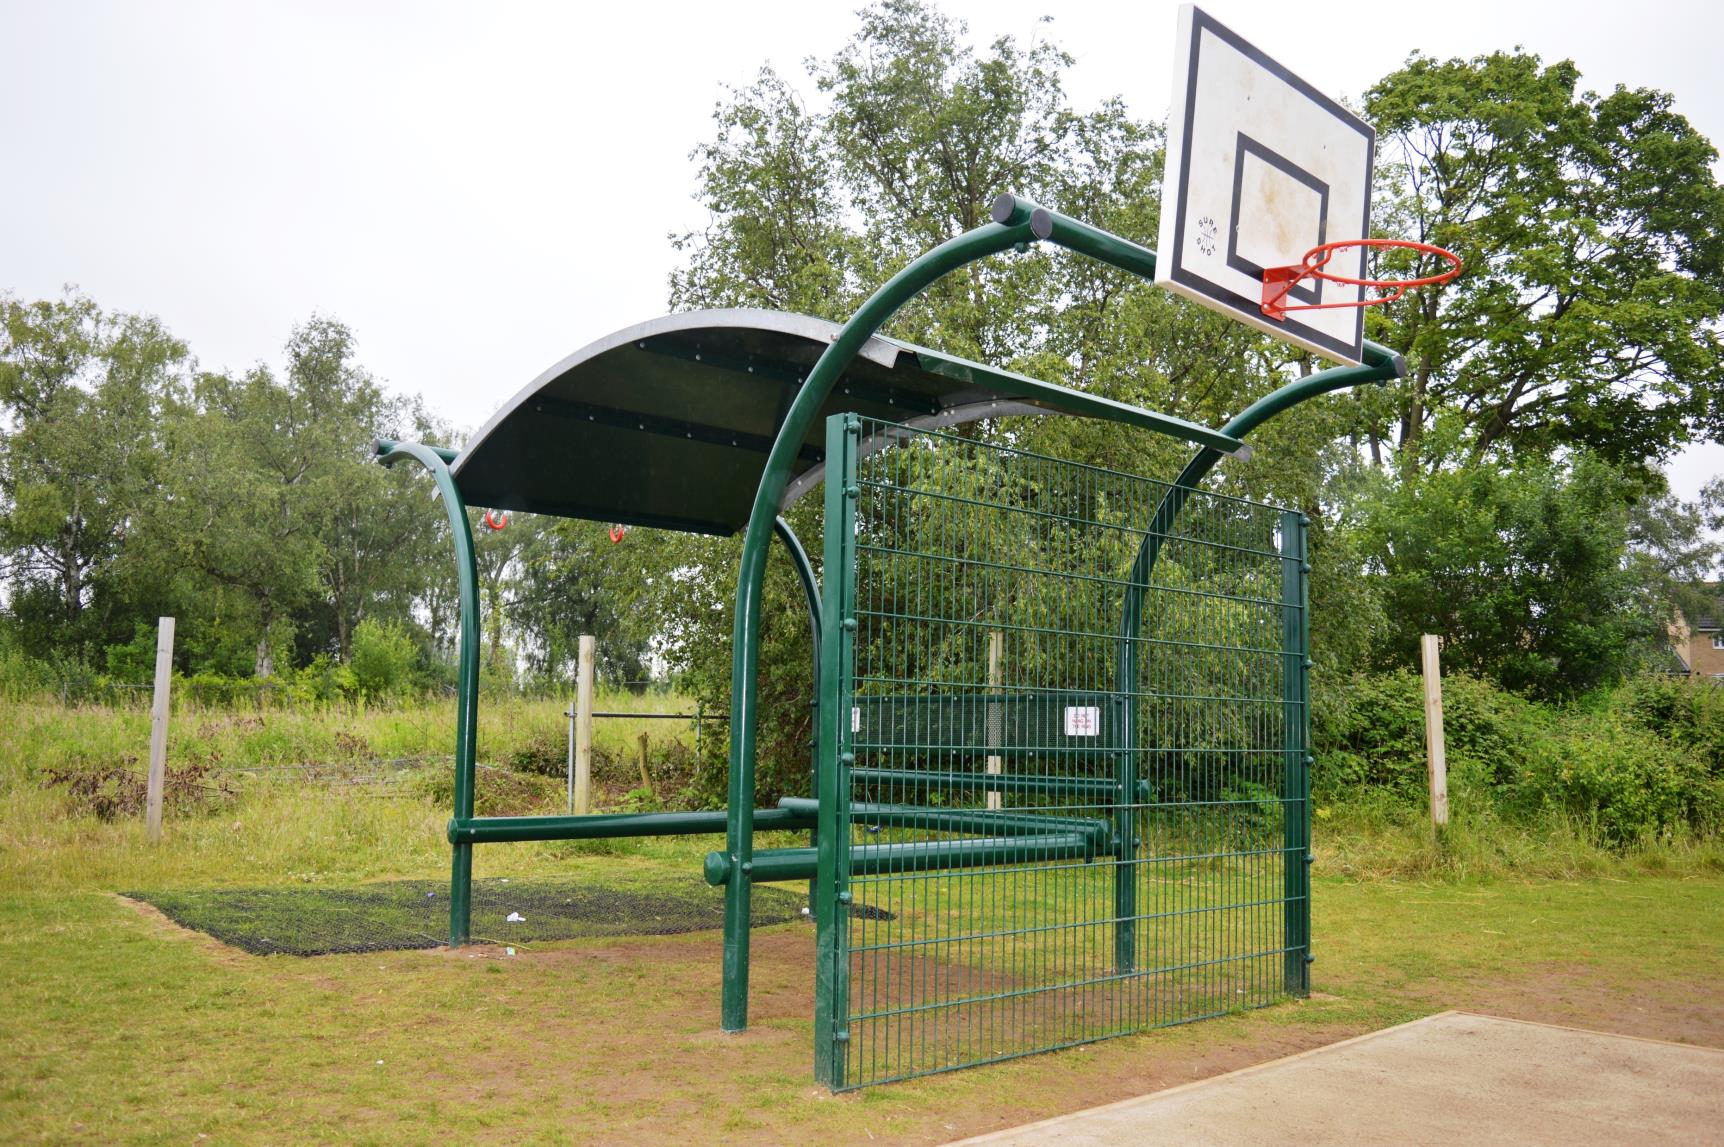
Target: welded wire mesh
column 1073, row 766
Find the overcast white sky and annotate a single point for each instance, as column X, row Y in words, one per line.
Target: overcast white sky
column 478, row 190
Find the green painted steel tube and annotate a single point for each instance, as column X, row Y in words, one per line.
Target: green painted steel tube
column 867, row 859
column 811, row 594
column 982, row 822
column 989, row 239
column 383, row 446
column 1015, row 222
column 834, row 755
column 467, row 660
column 610, row 826
column 1381, row 365
column 1296, row 771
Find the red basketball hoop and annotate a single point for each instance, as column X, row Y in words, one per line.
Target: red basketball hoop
column 1278, row 282
column 616, row 534
column 496, row 521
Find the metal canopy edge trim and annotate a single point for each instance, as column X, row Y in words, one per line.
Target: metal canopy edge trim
column 751, row 318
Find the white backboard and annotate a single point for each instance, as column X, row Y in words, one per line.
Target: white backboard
column 1261, row 167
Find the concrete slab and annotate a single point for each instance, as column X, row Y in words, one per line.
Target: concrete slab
column 1449, row 1078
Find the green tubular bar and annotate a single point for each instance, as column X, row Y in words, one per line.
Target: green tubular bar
column 1098, row 788
column 499, row 829
column 866, row 859
column 833, row 753
column 811, row 594
column 1016, row 222
column 1381, row 365
column 437, row 460
column 980, row 822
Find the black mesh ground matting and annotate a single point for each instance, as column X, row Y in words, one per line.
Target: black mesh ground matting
column 403, row 914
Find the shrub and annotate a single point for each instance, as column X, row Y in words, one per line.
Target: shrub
column 1369, row 734
column 1686, row 712
column 1627, row 784
column 382, row 658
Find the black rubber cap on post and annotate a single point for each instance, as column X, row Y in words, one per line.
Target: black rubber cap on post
column 1400, row 366
column 1005, row 205
column 1041, row 223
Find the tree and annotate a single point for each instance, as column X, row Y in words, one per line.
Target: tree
column 1593, row 233
column 256, row 471
column 1523, row 568
column 79, row 394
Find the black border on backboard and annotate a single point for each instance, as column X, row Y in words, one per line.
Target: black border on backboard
column 1312, row 293
column 1200, row 22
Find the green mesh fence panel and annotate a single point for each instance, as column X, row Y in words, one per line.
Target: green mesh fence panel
column 1066, row 755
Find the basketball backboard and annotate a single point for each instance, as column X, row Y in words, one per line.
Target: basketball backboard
column 1261, row 167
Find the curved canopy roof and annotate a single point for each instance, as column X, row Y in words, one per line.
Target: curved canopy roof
column 669, row 423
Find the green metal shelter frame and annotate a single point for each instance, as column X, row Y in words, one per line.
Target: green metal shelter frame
column 714, row 422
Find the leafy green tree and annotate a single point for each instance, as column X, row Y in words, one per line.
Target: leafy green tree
column 80, row 391
column 256, row 470
column 1521, row 567
column 1593, row 232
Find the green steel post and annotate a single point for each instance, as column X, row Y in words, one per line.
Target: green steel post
column 1306, row 758
column 836, row 753
column 989, row 239
column 467, row 659
column 1295, row 805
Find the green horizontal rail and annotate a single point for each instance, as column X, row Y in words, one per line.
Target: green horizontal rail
column 979, row 821
column 1096, row 787
column 868, row 859
column 504, row 829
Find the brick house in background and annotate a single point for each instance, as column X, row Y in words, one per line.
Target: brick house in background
column 1699, row 648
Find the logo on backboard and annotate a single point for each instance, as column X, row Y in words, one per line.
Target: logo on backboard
column 1206, row 235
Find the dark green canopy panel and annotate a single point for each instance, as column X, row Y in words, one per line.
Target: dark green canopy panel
column 669, row 423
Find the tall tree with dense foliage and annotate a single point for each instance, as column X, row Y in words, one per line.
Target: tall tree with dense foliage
column 258, row 467
column 1593, row 232
column 80, row 392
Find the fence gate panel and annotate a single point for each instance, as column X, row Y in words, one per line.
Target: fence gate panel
column 1063, row 755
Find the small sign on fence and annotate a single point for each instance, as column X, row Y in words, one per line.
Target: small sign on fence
column 1083, row 720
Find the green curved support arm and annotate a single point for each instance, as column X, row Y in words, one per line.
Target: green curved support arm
column 1016, row 223
column 811, row 594
column 1381, row 365
column 989, row 239
column 437, row 460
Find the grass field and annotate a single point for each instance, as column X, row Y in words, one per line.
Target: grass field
column 124, row 1026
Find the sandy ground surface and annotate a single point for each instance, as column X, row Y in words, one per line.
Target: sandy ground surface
column 1449, row 1078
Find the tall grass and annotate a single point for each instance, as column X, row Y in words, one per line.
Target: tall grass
column 290, row 805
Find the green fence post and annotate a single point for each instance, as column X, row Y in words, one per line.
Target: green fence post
column 835, row 753
column 467, row 661
column 1296, row 773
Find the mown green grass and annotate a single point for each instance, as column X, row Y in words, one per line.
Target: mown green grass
column 125, row 1028
column 124, row 1031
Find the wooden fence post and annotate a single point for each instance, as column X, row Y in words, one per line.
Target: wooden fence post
column 159, row 729
column 646, row 779
column 996, row 764
column 1436, row 758
column 584, row 725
